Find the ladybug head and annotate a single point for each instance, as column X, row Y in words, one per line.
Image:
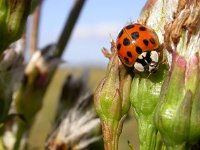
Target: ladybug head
column 147, row 62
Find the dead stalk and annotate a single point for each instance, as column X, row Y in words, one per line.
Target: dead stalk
column 35, row 29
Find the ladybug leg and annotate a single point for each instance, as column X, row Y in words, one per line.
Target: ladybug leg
column 161, row 47
column 130, row 71
column 162, row 59
column 155, row 66
column 149, row 75
column 163, row 62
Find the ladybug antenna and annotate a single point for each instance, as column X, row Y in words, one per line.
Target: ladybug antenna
column 130, row 21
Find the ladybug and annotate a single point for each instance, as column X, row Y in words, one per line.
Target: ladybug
column 138, row 47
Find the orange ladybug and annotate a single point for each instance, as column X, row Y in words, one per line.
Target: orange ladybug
column 138, row 47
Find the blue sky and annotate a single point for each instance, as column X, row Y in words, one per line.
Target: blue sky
column 98, row 20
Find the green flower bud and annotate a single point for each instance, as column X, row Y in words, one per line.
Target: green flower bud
column 193, row 82
column 177, row 114
column 112, row 101
column 13, row 16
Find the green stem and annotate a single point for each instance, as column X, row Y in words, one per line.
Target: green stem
column 111, row 136
column 19, row 135
column 147, row 134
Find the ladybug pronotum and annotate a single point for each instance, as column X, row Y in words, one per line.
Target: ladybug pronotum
column 137, row 46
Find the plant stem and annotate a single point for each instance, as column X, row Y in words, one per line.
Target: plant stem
column 148, row 133
column 35, row 29
column 111, row 136
column 19, row 134
column 69, row 25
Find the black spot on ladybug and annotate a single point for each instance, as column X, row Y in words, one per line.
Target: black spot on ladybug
column 138, row 50
column 152, row 40
column 135, row 35
column 130, row 26
column 126, row 42
column 142, row 28
column 126, row 59
column 129, row 54
column 118, row 46
column 120, row 33
column 146, row 42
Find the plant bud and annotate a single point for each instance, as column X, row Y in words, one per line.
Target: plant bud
column 13, row 16
column 176, row 116
column 112, row 101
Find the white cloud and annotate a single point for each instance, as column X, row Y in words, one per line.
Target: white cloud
column 99, row 30
column 84, row 32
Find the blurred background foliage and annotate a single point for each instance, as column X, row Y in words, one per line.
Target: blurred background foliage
column 44, row 102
